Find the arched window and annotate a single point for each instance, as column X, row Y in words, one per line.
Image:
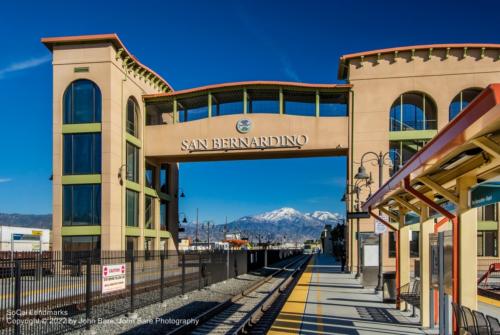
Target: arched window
column 461, row 100
column 82, row 102
column 413, row 111
column 132, row 117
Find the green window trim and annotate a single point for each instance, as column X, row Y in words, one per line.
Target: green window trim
column 133, row 186
column 164, row 196
column 81, row 128
column 151, row 192
column 411, row 135
column 80, row 230
column 134, row 140
column 487, row 225
column 132, row 231
column 81, row 179
column 165, row 234
column 149, row 233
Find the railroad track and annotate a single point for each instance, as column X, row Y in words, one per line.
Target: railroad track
column 254, row 307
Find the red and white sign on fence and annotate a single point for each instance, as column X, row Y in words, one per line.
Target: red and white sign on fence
column 113, row 278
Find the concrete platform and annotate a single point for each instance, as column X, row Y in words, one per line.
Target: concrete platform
column 326, row 301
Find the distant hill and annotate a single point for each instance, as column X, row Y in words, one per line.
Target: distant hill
column 276, row 225
column 26, row 220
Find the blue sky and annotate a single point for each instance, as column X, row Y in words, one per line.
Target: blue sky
column 192, row 43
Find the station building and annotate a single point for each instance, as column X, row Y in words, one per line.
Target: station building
column 120, row 130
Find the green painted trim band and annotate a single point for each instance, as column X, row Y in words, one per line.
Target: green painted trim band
column 487, row 225
column 150, row 192
column 81, row 179
column 149, row 233
column 132, row 231
column 411, row 135
column 134, row 140
column 164, row 196
column 164, row 233
column 133, row 186
column 81, row 128
column 80, row 230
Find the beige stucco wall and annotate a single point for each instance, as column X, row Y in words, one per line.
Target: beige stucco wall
column 377, row 85
column 326, row 136
column 116, row 86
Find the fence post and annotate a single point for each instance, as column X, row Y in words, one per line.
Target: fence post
column 88, row 293
column 17, row 297
column 183, row 279
column 162, row 275
column 235, row 266
column 132, row 284
column 199, row 271
column 227, row 264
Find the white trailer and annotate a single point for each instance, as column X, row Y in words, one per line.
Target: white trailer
column 24, row 239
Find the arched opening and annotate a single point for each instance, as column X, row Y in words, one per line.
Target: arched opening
column 133, row 117
column 461, row 100
column 82, row 102
column 413, row 111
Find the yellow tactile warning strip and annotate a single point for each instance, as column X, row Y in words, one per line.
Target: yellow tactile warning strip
column 489, row 301
column 289, row 320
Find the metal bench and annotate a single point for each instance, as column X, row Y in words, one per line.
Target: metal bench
column 410, row 293
column 474, row 322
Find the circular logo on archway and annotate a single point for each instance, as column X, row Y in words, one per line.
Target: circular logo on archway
column 244, row 125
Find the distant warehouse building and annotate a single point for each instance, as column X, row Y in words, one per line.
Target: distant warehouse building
column 24, row 239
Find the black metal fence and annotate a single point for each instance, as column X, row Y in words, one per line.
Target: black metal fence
column 53, row 292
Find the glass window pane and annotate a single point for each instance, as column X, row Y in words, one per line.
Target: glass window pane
column 67, row 201
column 150, row 174
column 82, row 153
column 67, row 154
column 163, row 215
column 82, row 205
column 132, row 117
column 164, row 178
column 333, row 104
column 132, row 163
column 149, row 212
column 82, row 103
column 132, row 212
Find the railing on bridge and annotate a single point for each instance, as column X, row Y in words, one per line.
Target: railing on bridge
column 54, row 292
column 322, row 101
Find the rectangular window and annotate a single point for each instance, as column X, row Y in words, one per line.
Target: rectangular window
column 149, row 215
column 132, row 163
column 487, row 213
column 392, row 245
column 130, row 247
column 132, row 216
column 149, row 245
column 164, row 170
column 82, row 154
column 333, row 104
column 81, row 205
column 487, row 243
column 79, row 248
column 150, row 176
column 163, row 215
column 414, row 244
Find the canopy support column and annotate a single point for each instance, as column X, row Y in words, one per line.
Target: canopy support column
column 426, row 228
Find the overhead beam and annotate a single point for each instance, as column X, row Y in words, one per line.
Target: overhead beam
column 389, row 213
column 406, row 204
column 488, row 145
column 439, row 189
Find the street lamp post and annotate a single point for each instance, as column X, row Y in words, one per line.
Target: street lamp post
column 356, row 190
column 380, row 160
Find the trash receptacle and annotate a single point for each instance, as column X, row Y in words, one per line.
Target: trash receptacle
column 389, row 285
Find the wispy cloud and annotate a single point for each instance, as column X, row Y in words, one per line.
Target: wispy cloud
column 5, row 180
column 265, row 38
column 24, row 65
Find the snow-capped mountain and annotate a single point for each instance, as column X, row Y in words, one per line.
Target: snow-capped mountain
column 283, row 223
